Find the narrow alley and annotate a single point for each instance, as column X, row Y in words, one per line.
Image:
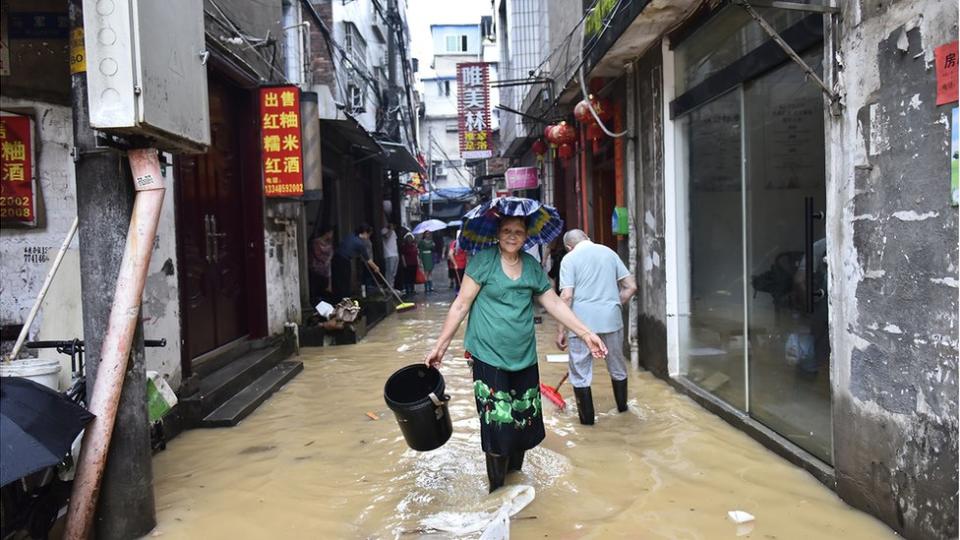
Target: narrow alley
column 311, row 463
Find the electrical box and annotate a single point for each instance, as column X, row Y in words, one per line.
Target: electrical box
column 146, row 70
column 620, row 221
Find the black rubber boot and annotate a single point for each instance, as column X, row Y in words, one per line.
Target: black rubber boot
column 496, row 470
column 584, row 405
column 516, row 460
column 620, row 394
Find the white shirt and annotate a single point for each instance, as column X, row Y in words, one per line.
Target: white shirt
column 389, row 243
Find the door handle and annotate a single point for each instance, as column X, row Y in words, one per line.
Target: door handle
column 214, row 238
column 207, row 231
column 809, row 216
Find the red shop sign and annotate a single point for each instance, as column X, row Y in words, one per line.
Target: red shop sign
column 17, row 181
column 280, row 149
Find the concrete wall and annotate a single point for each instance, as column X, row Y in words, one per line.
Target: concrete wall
column 26, row 254
column 282, row 264
column 892, row 254
column 650, row 271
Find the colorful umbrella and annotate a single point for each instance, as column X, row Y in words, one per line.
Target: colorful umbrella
column 431, row 225
column 480, row 224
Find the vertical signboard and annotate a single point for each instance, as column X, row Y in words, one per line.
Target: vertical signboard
column 473, row 110
column 280, row 141
column 17, row 186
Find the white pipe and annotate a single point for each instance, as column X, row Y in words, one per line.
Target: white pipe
column 583, row 82
column 117, row 341
column 43, row 291
column 632, row 210
column 292, row 42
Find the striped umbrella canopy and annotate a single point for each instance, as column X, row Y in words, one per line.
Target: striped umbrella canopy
column 481, row 223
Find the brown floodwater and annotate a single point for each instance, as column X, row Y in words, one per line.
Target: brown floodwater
column 311, row 463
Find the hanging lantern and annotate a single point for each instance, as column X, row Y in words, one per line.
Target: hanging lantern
column 603, row 107
column 595, row 134
column 582, row 113
column 565, row 151
column 539, row 148
column 548, row 133
column 563, row 133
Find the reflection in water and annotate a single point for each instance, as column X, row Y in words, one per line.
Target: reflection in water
column 310, row 463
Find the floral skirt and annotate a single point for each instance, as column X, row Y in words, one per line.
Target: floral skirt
column 511, row 412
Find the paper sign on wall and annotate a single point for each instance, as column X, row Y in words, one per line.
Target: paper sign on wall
column 946, row 59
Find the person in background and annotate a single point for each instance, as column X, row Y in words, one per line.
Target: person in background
column 595, row 283
column 499, row 289
column 426, row 260
column 439, row 243
column 556, row 251
column 457, row 260
column 321, row 252
column 409, row 262
column 391, row 253
column 352, row 247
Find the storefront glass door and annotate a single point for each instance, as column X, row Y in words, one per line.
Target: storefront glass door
column 750, row 158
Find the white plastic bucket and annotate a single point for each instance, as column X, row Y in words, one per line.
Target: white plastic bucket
column 45, row 371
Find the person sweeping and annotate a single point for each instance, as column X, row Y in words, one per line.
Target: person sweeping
column 499, row 287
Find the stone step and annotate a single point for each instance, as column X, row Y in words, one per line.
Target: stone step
column 235, row 409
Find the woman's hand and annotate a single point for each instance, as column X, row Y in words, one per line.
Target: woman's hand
column 597, row 347
column 434, row 358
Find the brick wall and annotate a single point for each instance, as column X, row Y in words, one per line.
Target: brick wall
column 321, row 65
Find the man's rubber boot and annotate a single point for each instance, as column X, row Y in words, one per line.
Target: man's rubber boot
column 620, row 394
column 584, row 405
column 516, row 460
column 497, row 470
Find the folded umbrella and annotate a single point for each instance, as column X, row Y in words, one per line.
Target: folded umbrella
column 37, row 427
column 431, row 225
column 481, row 223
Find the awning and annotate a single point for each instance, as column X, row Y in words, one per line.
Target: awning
column 399, row 158
column 354, row 134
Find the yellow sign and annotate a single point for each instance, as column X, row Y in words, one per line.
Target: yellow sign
column 78, row 56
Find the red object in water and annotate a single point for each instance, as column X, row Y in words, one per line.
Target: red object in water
column 553, row 394
column 565, row 151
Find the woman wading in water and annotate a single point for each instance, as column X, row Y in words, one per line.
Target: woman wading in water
column 498, row 290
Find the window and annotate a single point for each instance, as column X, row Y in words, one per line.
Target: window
column 354, row 44
column 357, row 98
column 446, row 88
column 457, row 43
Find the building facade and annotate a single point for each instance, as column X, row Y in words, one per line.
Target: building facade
column 794, row 242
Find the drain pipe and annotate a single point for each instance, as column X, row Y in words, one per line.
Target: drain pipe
column 117, row 341
column 632, row 208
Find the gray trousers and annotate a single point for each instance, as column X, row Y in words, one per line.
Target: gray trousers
column 581, row 361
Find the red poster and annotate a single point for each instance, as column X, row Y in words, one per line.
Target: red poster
column 280, row 141
column 473, row 110
column 946, row 58
column 17, row 204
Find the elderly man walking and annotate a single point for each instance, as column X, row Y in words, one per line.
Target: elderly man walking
column 595, row 282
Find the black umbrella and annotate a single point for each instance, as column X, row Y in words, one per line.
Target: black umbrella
column 37, row 427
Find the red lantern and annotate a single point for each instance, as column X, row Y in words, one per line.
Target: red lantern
column 595, row 132
column 563, row 133
column 547, row 133
column 565, row 151
column 603, row 108
column 582, row 113
column 539, row 148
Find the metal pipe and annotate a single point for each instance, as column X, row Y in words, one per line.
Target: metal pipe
column 43, row 291
column 633, row 308
column 117, row 341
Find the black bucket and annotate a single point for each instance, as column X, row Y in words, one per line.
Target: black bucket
column 415, row 395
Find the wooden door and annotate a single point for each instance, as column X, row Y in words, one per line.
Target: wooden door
column 210, row 230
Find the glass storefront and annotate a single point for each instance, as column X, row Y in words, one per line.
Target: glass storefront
column 750, row 147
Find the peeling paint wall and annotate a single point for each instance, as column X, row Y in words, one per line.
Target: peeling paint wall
column 892, row 254
column 283, row 268
column 27, row 254
column 650, row 271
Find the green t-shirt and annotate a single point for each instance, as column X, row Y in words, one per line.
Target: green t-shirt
column 500, row 330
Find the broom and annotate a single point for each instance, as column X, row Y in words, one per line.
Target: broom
column 553, row 394
column 401, row 305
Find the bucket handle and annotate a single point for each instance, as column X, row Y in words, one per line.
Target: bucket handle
column 438, row 401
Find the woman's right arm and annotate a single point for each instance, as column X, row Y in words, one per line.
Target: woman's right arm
column 458, row 311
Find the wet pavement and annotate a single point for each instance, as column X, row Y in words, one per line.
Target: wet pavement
column 311, row 462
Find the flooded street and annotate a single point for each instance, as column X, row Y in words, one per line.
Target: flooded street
column 311, row 463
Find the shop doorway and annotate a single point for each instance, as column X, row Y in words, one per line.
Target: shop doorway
column 753, row 282
column 211, row 233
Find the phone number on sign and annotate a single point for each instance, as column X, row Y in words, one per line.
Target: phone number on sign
column 284, row 188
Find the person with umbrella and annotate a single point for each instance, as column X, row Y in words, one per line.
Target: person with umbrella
column 426, row 259
column 498, row 290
